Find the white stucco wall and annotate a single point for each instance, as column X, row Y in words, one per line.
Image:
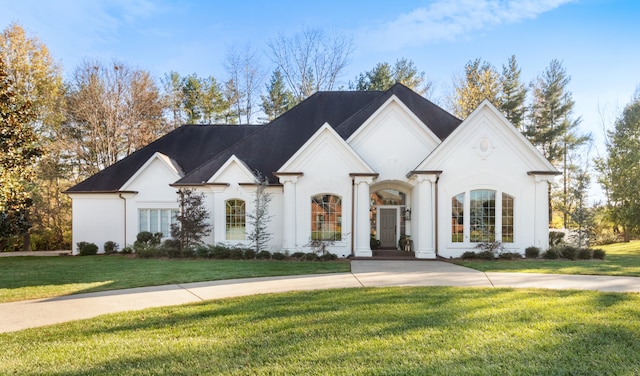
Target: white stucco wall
column 97, row 218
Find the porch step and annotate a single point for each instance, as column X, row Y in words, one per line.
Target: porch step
column 389, row 254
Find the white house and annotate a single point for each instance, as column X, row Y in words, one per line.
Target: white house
column 343, row 166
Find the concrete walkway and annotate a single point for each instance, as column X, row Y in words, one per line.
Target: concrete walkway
column 34, row 313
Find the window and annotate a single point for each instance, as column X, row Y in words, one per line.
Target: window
column 157, row 220
column 482, row 215
column 457, row 218
column 507, row 218
column 236, row 220
column 326, row 217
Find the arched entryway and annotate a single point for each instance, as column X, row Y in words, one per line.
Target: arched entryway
column 390, row 216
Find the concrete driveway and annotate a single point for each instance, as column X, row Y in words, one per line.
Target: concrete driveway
column 370, row 273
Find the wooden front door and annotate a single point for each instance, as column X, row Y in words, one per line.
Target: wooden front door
column 388, row 228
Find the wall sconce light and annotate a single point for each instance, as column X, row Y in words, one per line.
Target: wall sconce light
column 407, row 214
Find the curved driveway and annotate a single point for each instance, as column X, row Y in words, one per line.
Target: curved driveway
column 370, row 273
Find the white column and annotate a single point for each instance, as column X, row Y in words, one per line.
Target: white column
column 541, row 216
column 362, row 222
column 289, row 213
column 425, row 242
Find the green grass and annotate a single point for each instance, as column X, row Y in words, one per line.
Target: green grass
column 381, row 331
column 23, row 278
column 622, row 259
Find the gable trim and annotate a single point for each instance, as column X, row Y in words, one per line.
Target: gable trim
column 393, row 99
column 229, row 162
column 329, row 129
column 166, row 160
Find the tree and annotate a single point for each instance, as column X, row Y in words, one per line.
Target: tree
column 551, row 128
column 511, row 100
column 246, row 74
column 37, row 79
column 259, row 220
column 112, row 110
column 481, row 81
column 19, row 150
column 278, row 99
column 174, row 96
column 310, row 61
column 192, row 223
column 620, row 169
column 383, row 76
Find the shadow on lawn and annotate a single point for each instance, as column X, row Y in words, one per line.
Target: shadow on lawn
column 423, row 330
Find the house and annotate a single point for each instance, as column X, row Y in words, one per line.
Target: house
column 342, row 166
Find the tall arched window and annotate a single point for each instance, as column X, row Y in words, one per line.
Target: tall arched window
column 326, row 217
column 483, row 215
column 235, row 220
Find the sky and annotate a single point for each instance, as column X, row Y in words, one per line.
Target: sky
column 597, row 41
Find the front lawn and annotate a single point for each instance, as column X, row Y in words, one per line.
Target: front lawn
column 23, row 278
column 622, row 259
column 369, row 331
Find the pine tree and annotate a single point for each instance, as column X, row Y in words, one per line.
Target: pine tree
column 511, row 100
column 383, row 76
column 192, row 223
column 278, row 99
column 19, row 150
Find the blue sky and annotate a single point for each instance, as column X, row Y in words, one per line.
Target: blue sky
column 596, row 40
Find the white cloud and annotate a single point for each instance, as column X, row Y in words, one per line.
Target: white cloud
column 445, row 20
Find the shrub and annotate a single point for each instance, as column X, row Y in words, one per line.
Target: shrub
column 328, row 257
column 551, row 254
column 220, row 252
column 509, row 256
column 236, row 253
column 87, row 249
column 485, row 255
column 203, row 251
column 278, row 256
column 532, row 252
column 110, row 247
column 599, row 254
column 263, row 255
column 127, row 250
column 151, row 252
column 310, row 256
column 249, row 254
column 584, row 254
column 469, row 255
column 298, row 255
column 568, row 251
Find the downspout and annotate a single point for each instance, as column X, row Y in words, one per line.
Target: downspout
column 436, row 214
column 353, row 185
column 125, row 219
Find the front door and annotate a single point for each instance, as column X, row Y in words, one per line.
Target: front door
column 388, row 228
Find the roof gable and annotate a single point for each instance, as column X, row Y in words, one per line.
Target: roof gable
column 234, row 170
column 164, row 160
column 485, row 130
column 326, row 144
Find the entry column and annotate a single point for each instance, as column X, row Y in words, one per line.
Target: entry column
column 425, row 241
column 289, row 181
column 362, row 222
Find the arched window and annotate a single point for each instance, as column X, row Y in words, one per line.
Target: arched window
column 326, row 217
column 483, row 215
column 235, row 220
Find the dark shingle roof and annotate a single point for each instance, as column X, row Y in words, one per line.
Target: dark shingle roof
column 189, row 146
column 201, row 150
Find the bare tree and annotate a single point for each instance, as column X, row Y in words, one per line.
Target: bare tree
column 245, row 77
column 310, row 60
column 112, row 110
